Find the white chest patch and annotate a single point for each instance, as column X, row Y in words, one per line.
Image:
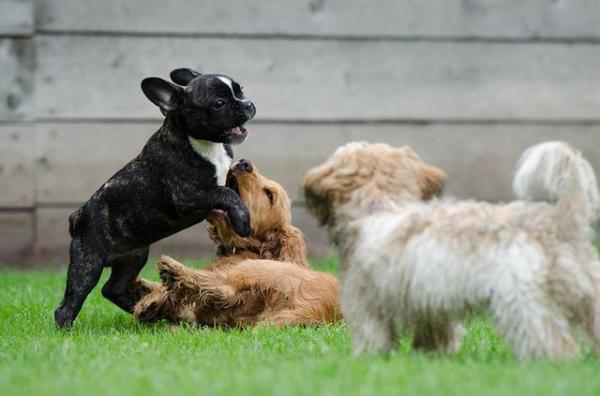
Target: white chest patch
column 216, row 154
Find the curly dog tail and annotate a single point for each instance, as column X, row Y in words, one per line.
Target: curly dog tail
column 557, row 173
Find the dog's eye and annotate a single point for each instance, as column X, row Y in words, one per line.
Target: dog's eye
column 219, row 104
column 269, row 195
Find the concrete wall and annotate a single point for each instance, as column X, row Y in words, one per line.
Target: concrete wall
column 468, row 83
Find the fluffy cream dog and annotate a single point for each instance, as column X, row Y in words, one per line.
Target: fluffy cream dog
column 422, row 267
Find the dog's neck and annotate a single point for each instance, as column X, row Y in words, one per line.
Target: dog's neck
column 343, row 227
column 282, row 244
column 225, row 249
column 214, row 153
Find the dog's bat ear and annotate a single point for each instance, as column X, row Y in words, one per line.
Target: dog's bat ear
column 183, row 76
column 166, row 95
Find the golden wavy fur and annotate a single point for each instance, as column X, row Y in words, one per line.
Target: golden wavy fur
column 262, row 278
column 422, row 267
column 272, row 234
column 243, row 294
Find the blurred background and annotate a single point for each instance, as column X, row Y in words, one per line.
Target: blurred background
column 468, row 83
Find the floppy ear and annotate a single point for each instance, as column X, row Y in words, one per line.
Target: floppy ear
column 432, row 181
column 285, row 244
column 293, row 248
column 183, row 76
column 166, row 95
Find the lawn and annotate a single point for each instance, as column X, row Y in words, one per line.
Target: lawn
column 107, row 352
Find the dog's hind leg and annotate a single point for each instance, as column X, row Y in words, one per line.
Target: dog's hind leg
column 122, row 288
column 587, row 300
column 525, row 312
column 589, row 316
column 535, row 329
column 205, row 287
column 159, row 304
column 85, row 268
column 591, row 323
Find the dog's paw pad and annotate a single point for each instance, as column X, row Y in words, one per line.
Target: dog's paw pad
column 167, row 278
column 167, row 270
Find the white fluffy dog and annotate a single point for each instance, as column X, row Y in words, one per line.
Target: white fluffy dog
column 410, row 264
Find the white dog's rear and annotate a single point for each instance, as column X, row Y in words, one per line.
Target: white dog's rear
column 423, row 267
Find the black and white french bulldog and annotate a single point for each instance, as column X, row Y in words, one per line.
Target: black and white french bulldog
column 177, row 179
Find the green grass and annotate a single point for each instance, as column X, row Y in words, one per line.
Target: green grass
column 107, row 352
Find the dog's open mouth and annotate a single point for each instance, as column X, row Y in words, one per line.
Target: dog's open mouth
column 237, row 133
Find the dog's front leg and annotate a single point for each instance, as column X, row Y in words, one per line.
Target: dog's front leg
column 372, row 331
column 226, row 199
column 222, row 198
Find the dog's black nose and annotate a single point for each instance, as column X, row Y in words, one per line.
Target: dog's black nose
column 249, row 108
column 244, row 165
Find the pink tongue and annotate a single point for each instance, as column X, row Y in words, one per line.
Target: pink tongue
column 238, row 129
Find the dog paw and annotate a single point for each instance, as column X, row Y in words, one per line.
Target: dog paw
column 168, row 270
column 146, row 286
column 240, row 221
column 167, row 278
column 63, row 318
